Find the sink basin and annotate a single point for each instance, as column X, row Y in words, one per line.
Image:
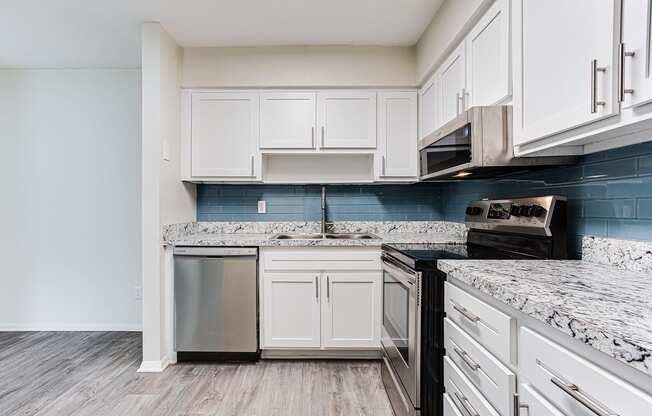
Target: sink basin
column 330, row 236
column 297, row 236
column 352, row 236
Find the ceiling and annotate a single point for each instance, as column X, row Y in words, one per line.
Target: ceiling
column 94, row 33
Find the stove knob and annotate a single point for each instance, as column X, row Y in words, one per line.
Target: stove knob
column 537, row 211
column 515, row 210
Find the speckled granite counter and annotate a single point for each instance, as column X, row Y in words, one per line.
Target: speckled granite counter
column 265, row 240
column 604, row 307
column 259, row 234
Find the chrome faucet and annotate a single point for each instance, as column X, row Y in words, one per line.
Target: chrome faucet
column 323, row 210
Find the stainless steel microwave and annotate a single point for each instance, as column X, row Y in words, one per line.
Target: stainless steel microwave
column 477, row 144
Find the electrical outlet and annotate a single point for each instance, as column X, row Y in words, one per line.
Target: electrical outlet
column 139, row 293
column 262, row 207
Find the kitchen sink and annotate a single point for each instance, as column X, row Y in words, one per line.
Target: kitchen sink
column 328, row 236
column 351, row 236
column 297, row 237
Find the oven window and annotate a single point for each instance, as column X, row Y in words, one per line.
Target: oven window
column 396, row 303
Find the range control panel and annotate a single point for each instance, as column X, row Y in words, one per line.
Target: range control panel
column 524, row 215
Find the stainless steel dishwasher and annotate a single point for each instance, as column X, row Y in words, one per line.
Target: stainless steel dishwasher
column 216, row 303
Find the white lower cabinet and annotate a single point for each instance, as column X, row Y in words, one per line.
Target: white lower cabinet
column 534, row 404
column 292, row 310
column 334, row 306
column 494, row 380
column 450, row 409
column 573, row 384
column 463, row 394
column 351, row 311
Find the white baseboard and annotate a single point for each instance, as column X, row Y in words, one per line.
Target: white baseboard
column 154, row 366
column 70, row 327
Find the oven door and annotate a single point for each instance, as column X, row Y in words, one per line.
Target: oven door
column 401, row 324
column 450, row 153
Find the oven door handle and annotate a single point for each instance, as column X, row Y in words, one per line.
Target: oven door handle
column 404, row 275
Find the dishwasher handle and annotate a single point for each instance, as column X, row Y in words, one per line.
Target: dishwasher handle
column 216, row 251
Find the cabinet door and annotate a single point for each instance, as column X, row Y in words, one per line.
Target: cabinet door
column 347, row 119
column 291, row 305
column 536, row 404
column 564, row 72
column 397, row 133
column 452, row 84
column 287, row 120
column 351, row 310
column 428, row 107
column 636, row 83
column 488, row 57
column 224, row 138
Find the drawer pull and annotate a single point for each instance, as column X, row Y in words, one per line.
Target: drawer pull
column 573, row 391
column 467, row 360
column 518, row 405
column 466, row 405
column 465, row 313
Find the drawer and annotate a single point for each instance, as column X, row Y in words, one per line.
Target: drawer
column 450, row 408
column 320, row 258
column 536, row 404
column 575, row 385
column 490, row 327
column 495, row 381
column 463, row 394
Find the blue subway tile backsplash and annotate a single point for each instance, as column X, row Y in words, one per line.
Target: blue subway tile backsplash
column 609, row 194
column 418, row 202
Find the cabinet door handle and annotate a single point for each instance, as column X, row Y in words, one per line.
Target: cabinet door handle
column 621, row 76
column 518, row 405
column 465, row 313
column 317, row 288
column 328, row 288
column 323, row 135
column 594, row 85
column 463, row 100
column 467, row 360
column 573, row 391
column 457, row 104
column 253, row 172
column 384, row 165
column 466, row 404
column 312, row 136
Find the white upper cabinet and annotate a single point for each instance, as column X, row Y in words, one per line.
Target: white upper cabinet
column 488, row 57
column 564, row 65
column 287, row 120
column 224, row 134
column 452, row 84
column 429, row 107
column 636, row 82
column 397, row 134
column 347, row 119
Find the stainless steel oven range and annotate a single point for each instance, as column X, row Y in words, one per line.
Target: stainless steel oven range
column 413, row 290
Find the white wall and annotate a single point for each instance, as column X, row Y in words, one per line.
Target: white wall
column 445, row 31
column 299, row 66
column 70, row 208
column 165, row 199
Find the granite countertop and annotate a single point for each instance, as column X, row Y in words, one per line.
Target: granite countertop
column 604, row 307
column 251, row 234
column 265, row 240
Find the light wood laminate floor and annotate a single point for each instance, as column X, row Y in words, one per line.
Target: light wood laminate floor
column 94, row 374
